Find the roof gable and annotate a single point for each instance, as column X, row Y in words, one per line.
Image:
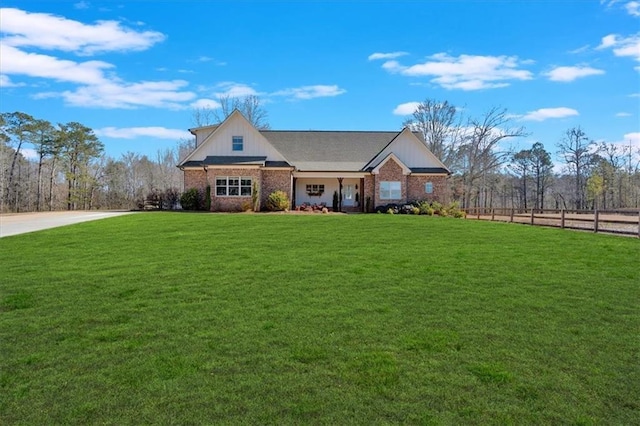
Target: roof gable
column 409, row 149
column 217, row 141
column 391, row 157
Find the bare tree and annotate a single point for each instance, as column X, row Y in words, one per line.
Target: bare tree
column 576, row 151
column 250, row 106
column 439, row 123
column 480, row 151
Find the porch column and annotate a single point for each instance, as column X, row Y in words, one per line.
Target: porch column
column 293, row 192
column 362, row 200
column 340, row 194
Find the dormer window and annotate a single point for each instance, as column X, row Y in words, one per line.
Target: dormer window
column 237, row 143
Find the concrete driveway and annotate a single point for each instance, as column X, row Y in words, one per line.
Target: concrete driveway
column 21, row 223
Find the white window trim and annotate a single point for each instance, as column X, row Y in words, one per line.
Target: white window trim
column 240, row 186
column 314, row 189
column 233, row 143
column 428, row 188
column 388, row 192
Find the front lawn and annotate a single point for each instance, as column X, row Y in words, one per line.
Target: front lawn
column 177, row 318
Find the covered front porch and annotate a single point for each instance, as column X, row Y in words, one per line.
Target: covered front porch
column 317, row 189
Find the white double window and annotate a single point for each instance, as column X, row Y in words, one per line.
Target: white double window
column 390, row 190
column 233, row 186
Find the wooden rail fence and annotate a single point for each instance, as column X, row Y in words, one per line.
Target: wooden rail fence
column 623, row 222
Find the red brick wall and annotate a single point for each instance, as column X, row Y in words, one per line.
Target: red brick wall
column 415, row 188
column 369, row 191
column 225, row 203
column 195, row 179
column 275, row 180
column 390, row 171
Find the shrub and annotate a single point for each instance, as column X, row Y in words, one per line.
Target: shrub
column 415, row 210
column 278, row 201
column 170, row 198
column 191, row 199
column 390, row 211
column 454, row 210
column 246, row 206
column 438, row 208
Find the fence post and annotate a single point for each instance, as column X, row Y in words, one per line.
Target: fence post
column 532, row 212
column 596, row 216
column 478, row 211
column 493, row 214
column 511, row 217
column 638, row 223
column 562, row 218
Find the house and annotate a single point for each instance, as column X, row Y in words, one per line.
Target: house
column 367, row 168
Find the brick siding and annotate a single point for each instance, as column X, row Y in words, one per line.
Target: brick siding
column 195, row 179
column 415, row 188
column 390, row 172
column 275, row 180
column 369, row 191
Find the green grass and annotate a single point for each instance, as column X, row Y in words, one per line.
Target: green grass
column 318, row 319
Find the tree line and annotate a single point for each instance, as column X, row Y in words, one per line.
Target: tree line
column 69, row 169
column 593, row 175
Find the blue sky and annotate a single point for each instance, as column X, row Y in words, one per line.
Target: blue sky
column 133, row 71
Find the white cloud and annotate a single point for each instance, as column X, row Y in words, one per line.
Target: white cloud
column 631, row 139
column 391, row 55
column 567, row 74
column 311, row 92
column 622, row 46
column 135, row 132
column 15, row 61
column 633, row 8
column 29, row 153
column 46, row 31
column 205, row 103
column 548, row 113
column 5, row 81
column 81, row 5
column 116, row 94
column 407, row 108
column 96, row 89
column 581, row 49
column 233, row 90
column 623, row 114
column 465, row 72
column 98, row 85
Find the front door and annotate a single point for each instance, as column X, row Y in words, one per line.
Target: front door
column 349, row 195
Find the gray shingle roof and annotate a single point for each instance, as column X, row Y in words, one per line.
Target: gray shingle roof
column 328, row 150
column 318, row 150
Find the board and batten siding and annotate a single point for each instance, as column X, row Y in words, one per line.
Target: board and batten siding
column 410, row 150
column 220, row 143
